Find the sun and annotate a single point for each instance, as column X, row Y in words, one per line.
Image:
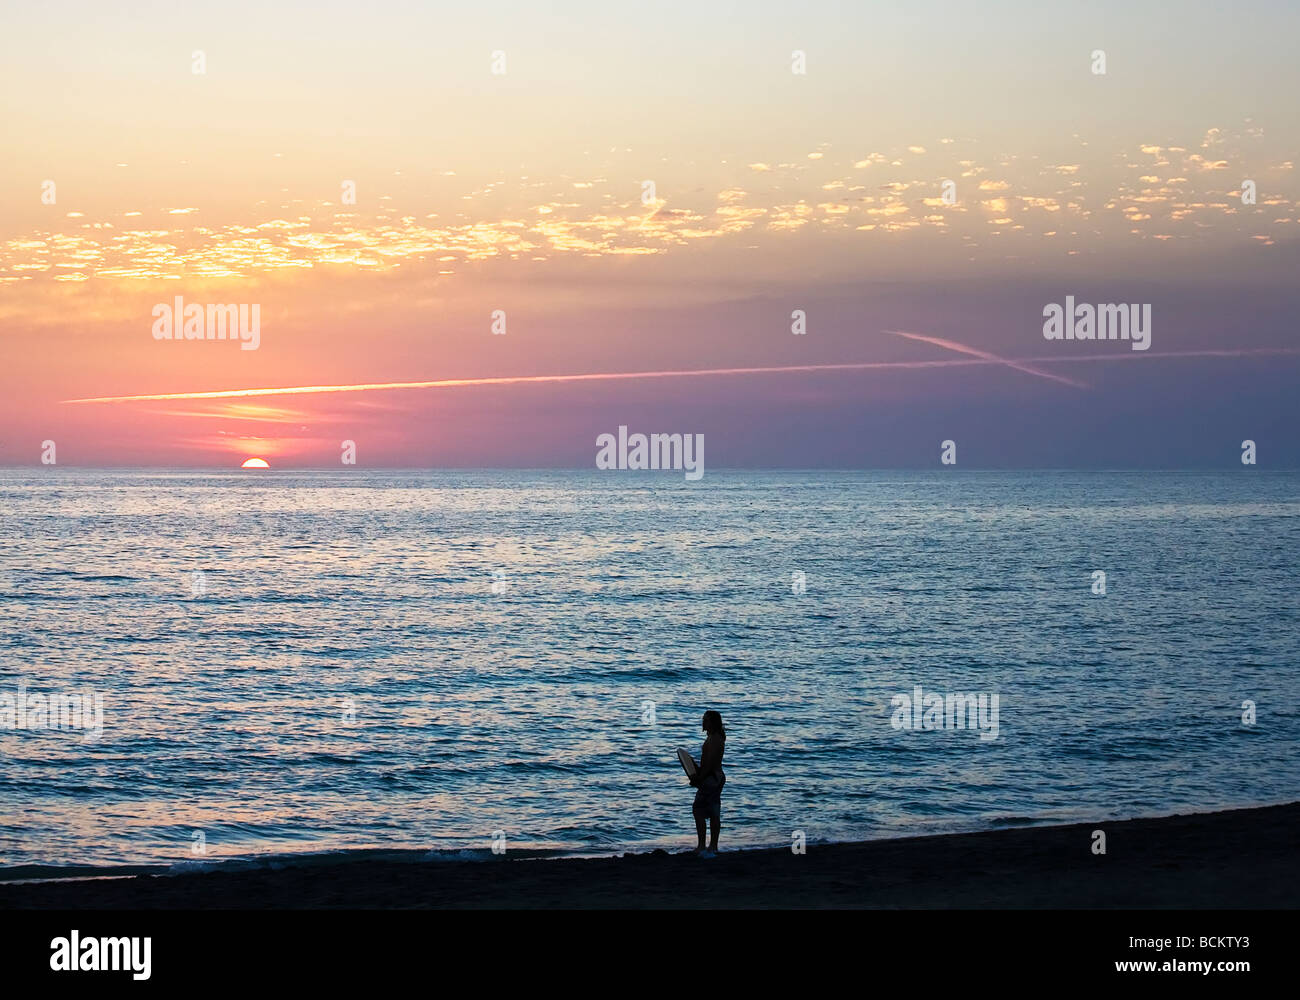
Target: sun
column 255, row 463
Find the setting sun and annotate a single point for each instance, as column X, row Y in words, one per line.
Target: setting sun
column 255, row 463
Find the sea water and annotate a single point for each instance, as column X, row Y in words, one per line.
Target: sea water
column 340, row 660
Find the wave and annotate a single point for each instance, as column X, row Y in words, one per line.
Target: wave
column 281, row 861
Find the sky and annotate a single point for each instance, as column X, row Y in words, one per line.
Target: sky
column 649, row 191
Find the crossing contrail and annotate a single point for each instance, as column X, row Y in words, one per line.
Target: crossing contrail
column 1018, row 365
column 980, row 359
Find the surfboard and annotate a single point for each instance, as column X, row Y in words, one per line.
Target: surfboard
column 687, row 762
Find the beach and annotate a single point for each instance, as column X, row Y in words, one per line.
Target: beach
column 1236, row 859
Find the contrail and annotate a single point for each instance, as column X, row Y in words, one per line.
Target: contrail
column 1019, row 365
column 979, row 361
column 517, row 379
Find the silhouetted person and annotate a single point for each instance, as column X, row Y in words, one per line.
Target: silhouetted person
column 708, row 783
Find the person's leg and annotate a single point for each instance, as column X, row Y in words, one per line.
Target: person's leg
column 699, row 828
column 715, row 825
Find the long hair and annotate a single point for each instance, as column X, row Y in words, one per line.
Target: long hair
column 713, row 723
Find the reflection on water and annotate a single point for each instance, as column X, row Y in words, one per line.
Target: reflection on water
column 417, row 660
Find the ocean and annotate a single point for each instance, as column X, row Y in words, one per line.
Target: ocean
column 329, row 662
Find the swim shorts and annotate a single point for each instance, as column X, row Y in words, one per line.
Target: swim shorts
column 708, row 799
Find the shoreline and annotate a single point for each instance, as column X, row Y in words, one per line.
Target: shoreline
column 1233, row 859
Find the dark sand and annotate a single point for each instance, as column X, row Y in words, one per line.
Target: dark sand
column 1241, row 859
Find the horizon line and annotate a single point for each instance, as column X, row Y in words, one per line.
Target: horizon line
column 673, row 472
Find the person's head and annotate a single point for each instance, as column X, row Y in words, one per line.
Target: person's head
column 712, row 723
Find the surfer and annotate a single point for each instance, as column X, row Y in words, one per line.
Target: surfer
column 708, row 783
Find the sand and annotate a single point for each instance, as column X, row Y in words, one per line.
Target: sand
column 1239, row 859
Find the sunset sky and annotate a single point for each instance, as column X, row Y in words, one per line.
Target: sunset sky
column 773, row 191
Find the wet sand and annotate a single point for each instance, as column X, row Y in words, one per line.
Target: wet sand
column 1239, row 859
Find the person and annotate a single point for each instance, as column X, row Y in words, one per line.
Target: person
column 708, row 782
